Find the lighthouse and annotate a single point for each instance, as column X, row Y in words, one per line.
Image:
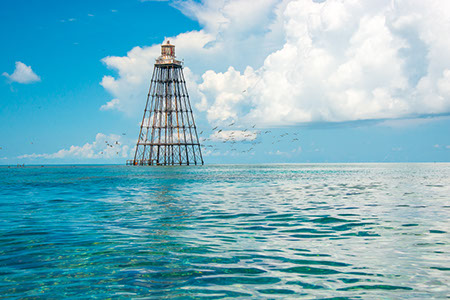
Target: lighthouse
column 168, row 135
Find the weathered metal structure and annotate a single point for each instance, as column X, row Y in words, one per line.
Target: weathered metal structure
column 168, row 135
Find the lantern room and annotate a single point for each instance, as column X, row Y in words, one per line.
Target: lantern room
column 168, row 50
column 168, row 56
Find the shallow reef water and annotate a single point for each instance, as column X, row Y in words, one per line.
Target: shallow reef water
column 308, row 231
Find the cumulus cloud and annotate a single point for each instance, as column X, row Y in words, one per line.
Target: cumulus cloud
column 22, row 74
column 343, row 61
column 229, row 91
column 234, row 135
column 104, row 146
column 111, row 105
column 282, row 62
column 135, row 71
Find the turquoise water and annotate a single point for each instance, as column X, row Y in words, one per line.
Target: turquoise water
column 324, row 231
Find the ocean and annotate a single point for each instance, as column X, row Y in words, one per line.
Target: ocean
column 308, row 231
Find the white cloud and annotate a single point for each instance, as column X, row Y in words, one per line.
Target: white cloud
column 111, row 105
column 234, row 135
column 229, row 91
column 135, row 71
column 22, row 74
column 104, row 146
column 444, row 84
column 279, row 153
column 328, row 71
column 281, row 62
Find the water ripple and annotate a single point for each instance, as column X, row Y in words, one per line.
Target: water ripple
column 356, row 231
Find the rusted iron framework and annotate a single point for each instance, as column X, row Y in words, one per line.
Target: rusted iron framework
column 168, row 135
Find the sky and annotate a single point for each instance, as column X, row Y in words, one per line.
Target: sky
column 301, row 81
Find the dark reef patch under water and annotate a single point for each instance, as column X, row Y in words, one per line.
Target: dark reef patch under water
column 322, row 231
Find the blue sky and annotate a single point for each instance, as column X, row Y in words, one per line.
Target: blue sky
column 352, row 82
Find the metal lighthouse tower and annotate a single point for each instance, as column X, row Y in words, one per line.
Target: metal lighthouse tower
column 168, row 135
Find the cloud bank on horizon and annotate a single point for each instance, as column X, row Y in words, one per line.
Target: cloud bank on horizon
column 104, row 146
column 285, row 62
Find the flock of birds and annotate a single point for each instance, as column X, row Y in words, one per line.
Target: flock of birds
column 112, row 145
column 244, row 136
column 249, row 138
column 234, row 137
